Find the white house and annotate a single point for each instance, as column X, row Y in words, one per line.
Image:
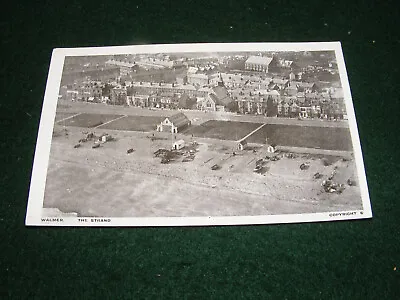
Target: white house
column 178, row 145
column 242, row 145
column 174, row 124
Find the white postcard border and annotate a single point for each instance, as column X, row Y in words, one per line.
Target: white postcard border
column 42, row 152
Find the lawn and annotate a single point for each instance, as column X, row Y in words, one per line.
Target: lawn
column 134, row 123
column 223, row 130
column 89, row 120
column 328, row 138
column 63, row 115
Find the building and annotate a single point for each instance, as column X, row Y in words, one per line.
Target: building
column 258, row 63
column 68, row 93
column 242, row 144
column 222, row 95
column 125, row 68
column 185, row 102
column 181, row 79
column 174, row 124
column 271, row 149
column 197, row 79
column 178, row 145
column 283, row 109
column 159, row 63
column 89, row 89
column 287, row 64
column 291, row 90
column 138, row 100
column 278, row 84
column 207, row 103
column 204, row 91
column 165, row 100
column 151, row 88
column 118, row 95
column 219, row 106
column 214, row 79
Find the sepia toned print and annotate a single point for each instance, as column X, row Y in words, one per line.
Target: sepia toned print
column 197, row 134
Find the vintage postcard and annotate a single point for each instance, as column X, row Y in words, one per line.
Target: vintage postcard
column 197, row 134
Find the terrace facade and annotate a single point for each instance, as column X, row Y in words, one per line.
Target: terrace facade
column 152, row 87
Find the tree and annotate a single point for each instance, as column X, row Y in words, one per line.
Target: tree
column 129, row 91
column 106, row 90
column 232, row 106
column 272, row 108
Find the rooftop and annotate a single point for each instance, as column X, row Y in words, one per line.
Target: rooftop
column 119, row 63
column 259, row 60
column 179, row 119
column 200, row 76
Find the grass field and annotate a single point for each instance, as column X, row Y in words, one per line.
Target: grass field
column 89, row 120
column 328, row 138
column 223, row 130
column 134, row 123
column 63, row 115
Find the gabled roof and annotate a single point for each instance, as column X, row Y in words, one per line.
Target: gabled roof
column 222, row 95
column 179, row 119
column 259, row 60
column 120, row 63
column 279, row 81
column 214, row 98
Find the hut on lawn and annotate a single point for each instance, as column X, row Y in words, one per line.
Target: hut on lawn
column 242, row 145
column 174, row 124
column 178, row 145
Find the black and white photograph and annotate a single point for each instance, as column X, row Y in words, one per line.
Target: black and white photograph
column 197, row 134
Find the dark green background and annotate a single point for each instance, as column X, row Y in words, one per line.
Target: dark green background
column 338, row 260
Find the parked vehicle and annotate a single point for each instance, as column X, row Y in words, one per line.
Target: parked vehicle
column 215, row 167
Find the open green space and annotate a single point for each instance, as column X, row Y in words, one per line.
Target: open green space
column 329, row 138
column 89, row 120
column 223, row 130
column 134, row 123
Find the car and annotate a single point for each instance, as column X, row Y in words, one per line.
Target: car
column 165, row 160
column 258, row 169
column 215, row 167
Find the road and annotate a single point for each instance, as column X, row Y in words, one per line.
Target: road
column 197, row 117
